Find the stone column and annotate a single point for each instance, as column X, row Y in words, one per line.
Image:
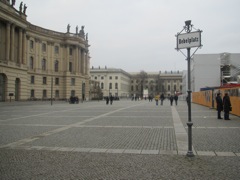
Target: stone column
column 24, row 47
column 8, row 38
column 75, row 59
column 19, row 60
column 12, row 42
column 86, row 63
column 80, row 60
column 83, row 62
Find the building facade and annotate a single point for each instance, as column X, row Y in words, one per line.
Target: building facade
column 167, row 83
column 37, row 63
column 209, row 70
column 112, row 81
column 142, row 84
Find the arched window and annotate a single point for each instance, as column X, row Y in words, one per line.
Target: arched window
column 102, row 85
column 56, row 66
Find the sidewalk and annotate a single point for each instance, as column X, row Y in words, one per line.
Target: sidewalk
column 126, row 140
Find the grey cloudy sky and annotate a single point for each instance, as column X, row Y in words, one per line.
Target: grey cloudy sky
column 139, row 35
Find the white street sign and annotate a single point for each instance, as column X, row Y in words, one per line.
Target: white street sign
column 188, row 40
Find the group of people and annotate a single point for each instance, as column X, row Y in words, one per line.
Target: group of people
column 223, row 105
column 171, row 98
column 109, row 99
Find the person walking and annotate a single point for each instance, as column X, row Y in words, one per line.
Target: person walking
column 176, row 99
column 219, row 105
column 107, row 100
column 111, row 99
column 171, row 100
column 162, row 98
column 156, row 99
column 227, row 107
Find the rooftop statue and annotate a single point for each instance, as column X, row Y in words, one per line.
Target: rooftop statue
column 68, row 28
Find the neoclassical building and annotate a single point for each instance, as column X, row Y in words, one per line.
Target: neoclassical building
column 112, row 81
column 146, row 84
column 37, row 63
column 119, row 83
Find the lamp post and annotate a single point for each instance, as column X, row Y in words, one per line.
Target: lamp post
column 187, row 41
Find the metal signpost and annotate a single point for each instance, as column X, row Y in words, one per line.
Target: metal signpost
column 187, row 41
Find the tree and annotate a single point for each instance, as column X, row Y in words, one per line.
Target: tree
column 142, row 81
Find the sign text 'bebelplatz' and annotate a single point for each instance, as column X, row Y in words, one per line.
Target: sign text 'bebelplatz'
column 189, row 40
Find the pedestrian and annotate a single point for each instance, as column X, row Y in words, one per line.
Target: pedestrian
column 111, row 99
column 176, row 99
column 227, row 107
column 219, row 105
column 171, row 100
column 107, row 100
column 162, row 98
column 156, row 99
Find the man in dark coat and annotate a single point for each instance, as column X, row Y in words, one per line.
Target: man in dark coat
column 111, row 99
column 171, row 100
column 176, row 99
column 162, row 98
column 227, row 107
column 219, row 105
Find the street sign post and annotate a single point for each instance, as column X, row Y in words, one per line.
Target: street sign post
column 187, row 41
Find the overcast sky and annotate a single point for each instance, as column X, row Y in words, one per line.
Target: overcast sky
column 137, row 35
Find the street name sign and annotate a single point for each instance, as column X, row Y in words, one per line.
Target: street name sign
column 189, row 40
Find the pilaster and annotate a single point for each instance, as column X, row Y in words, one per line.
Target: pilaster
column 12, row 42
column 8, row 41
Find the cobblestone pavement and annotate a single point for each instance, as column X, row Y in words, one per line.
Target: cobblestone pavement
column 126, row 140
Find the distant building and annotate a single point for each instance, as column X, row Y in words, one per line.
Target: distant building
column 112, row 81
column 123, row 84
column 168, row 82
column 35, row 61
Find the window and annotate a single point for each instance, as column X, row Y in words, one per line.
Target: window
column 95, row 77
column 102, row 77
column 175, row 88
column 70, row 51
column 136, row 88
column 32, row 79
column 44, row 93
column 31, row 44
column 116, row 85
column 73, row 81
column 44, row 64
column 44, row 47
column 56, row 66
column 110, row 85
column 110, row 77
column 168, row 87
column 56, row 81
column 131, row 88
column 102, row 85
column 56, row 49
column 32, row 93
column 70, row 66
column 72, row 93
column 44, row 80
column 116, row 77
column 31, row 63
column 57, row 94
